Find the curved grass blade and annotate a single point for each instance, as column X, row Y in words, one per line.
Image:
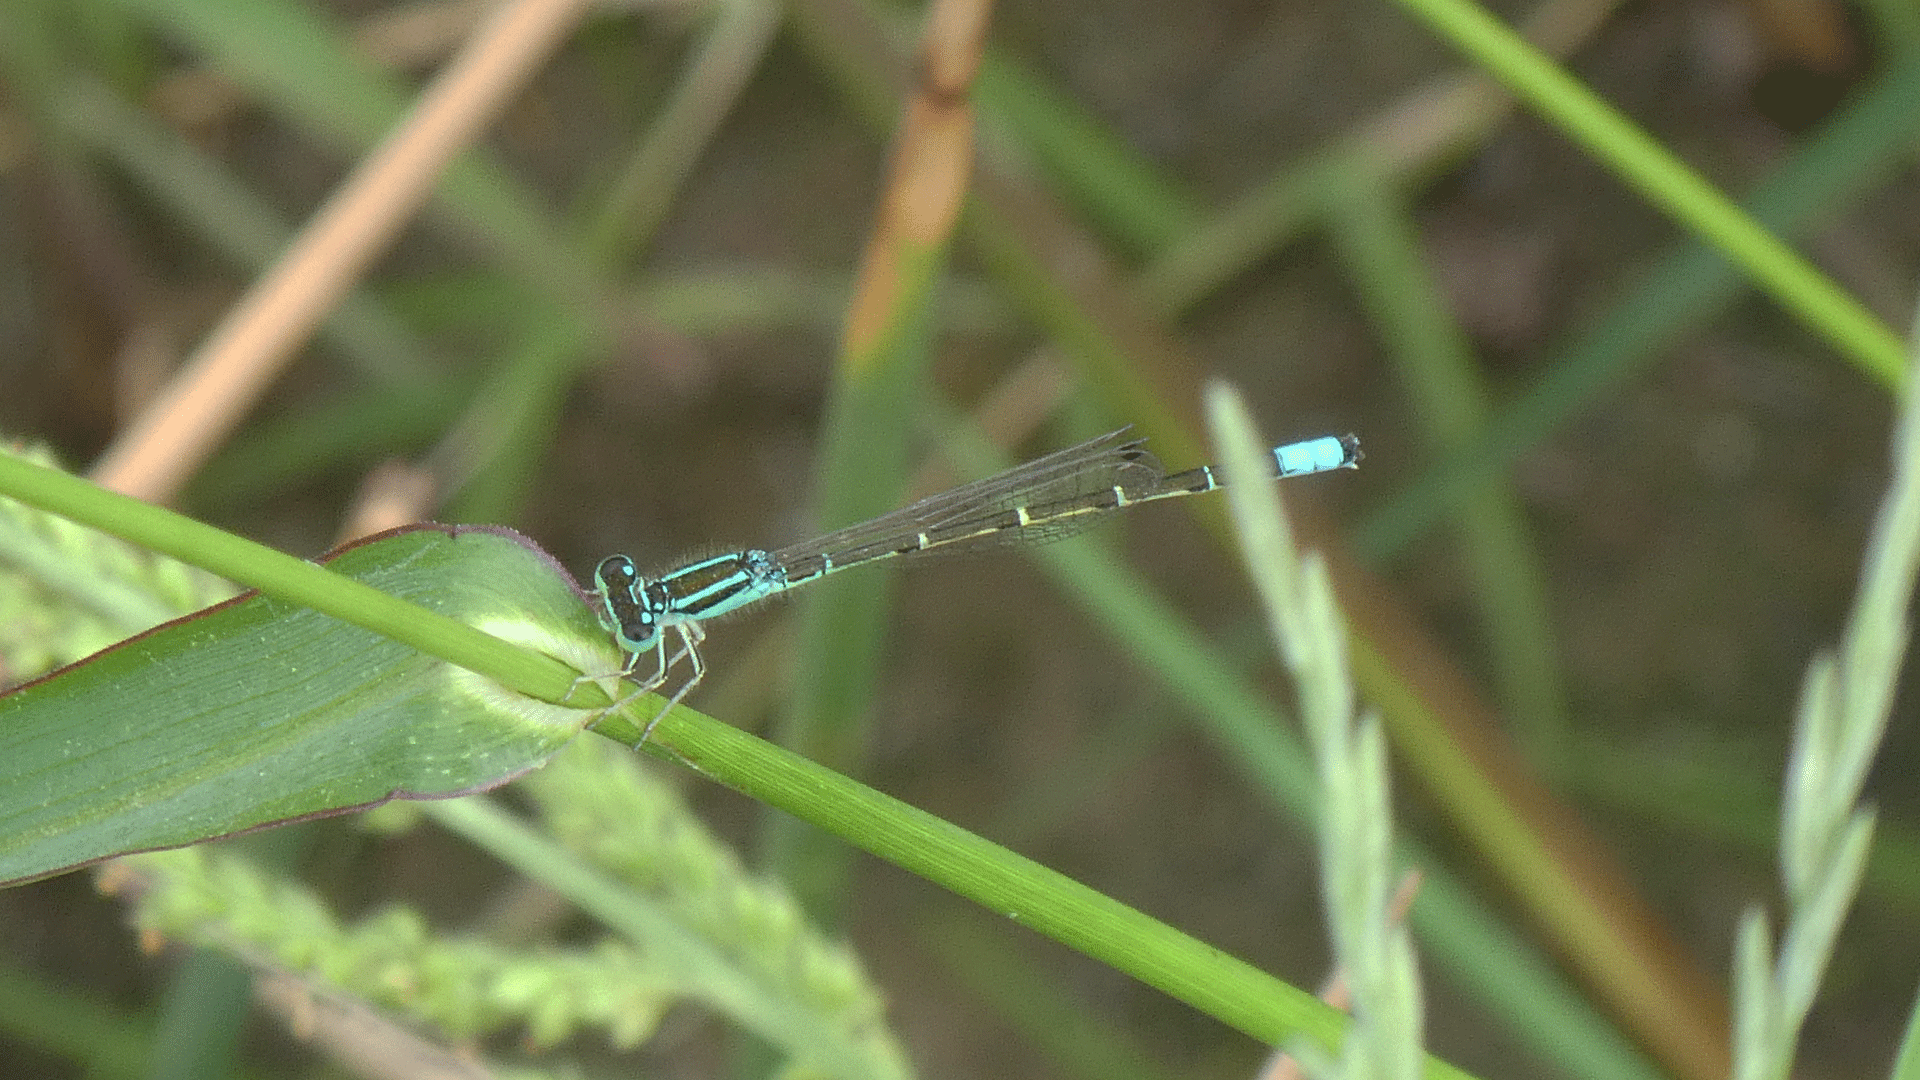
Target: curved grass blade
column 257, row 711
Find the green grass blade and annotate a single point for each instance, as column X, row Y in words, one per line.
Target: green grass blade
column 1065, row 910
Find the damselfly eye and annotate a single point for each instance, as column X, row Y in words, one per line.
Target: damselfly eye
column 614, row 571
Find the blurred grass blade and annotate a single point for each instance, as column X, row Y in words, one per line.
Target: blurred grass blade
column 1119, row 189
column 880, row 372
column 203, row 195
column 1906, row 1064
column 307, row 70
column 1669, row 184
column 1855, row 149
column 259, row 711
column 1372, row 227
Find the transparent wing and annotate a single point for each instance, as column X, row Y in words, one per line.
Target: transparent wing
column 1093, row 466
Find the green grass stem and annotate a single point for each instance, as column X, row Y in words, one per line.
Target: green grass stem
column 1226, row 988
column 283, row 576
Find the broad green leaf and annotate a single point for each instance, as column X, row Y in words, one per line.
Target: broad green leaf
column 258, row 711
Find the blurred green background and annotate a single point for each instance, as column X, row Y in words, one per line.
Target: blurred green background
column 616, row 330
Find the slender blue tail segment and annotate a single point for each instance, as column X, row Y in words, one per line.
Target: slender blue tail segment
column 1045, row 499
column 1318, row 455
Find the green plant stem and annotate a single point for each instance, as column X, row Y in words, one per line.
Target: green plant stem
column 1222, row 986
column 291, row 579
